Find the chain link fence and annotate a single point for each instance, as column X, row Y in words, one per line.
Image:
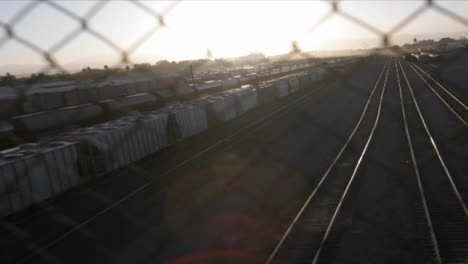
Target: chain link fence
column 112, row 75
column 124, row 54
column 58, row 72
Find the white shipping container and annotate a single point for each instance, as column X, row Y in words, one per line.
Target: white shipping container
column 266, row 93
column 209, row 85
column 317, row 74
column 276, row 71
column 10, row 197
column 30, row 175
column 128, row 102
column 230, row 83
column 149, row 134
column 112, row 89
column 190, row 118
column 165, row 93
column 128, row 143
column 304, row 81
column 112, row 137
column 134, row 138
column 108, row 146
column 293, row 84
column 282, row 88
column 246, row 98
column 154, row 127
column 198, row 118
column 220, row 108
column 61, row 158
column 96, row 153
column 57, row 118
column 184, row 91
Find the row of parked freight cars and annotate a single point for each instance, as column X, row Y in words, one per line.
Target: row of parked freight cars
column 40, row 97
column 78, row 103
column 56, row 105
column 33, row 172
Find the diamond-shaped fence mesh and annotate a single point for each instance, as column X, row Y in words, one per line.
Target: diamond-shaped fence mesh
column 86, row 24
column 83, row 24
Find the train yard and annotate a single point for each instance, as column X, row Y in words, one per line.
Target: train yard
column 367, row 167
column 414, row 217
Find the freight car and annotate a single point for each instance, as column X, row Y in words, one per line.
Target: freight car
column 31, row 173
column 8, row 102
column 58, row 118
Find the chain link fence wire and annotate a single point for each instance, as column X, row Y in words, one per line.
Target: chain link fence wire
column 52, row 64
column 121, row 68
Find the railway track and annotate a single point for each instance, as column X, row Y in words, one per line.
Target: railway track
column 453, row 104
column 427, row 67
column 310, row 232
column 444, row 210
column 315, row 231
column 431, row 65
column 425, row 216
column 448, row 116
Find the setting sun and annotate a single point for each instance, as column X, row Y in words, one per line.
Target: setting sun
column 226, row 28
column 233, row 29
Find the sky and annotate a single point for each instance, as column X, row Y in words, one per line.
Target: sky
column 226, row 28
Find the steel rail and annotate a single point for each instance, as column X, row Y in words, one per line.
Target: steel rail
column 457, row 115
column 327, row 172
column 417, row 174
column 434, row 145
column 443, row 88
column 353, row 175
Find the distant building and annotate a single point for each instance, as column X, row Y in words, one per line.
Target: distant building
column 447, row 44
column 253, row 57
column 426, row 45
column 444, row 44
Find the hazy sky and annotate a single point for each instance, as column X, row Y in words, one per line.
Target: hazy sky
column 227, row 28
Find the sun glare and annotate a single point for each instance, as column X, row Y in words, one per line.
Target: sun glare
column 235, row 30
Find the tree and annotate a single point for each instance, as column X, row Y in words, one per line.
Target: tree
column 415, row 40
column 442, row 46
column 8, row 79
column 163, row 63
column 446, row 40
column 395, row 48
column 106, row 67
column 223, row 63
column 35, row 78
column 141, row 66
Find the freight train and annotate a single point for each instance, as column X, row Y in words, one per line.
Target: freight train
column 36, row 108
column 33, row 172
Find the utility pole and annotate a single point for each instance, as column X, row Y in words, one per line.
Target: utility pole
column 193, row 78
